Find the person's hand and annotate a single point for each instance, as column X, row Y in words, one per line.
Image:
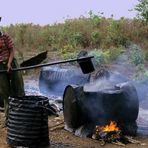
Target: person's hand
column 9, row 68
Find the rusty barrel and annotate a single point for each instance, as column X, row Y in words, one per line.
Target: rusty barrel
column 28, row 122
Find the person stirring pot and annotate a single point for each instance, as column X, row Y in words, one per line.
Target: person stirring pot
column 11, row 83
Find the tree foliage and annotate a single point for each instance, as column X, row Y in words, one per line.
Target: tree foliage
column 142, row 8
column 76, row 34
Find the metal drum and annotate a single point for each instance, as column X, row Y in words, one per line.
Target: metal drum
column 53, row 80
column 90, row 108
column 28, row 122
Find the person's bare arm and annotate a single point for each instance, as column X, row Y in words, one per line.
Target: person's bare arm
column 11, row 56
column 11, row 51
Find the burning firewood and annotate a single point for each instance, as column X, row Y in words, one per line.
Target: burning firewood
column 112, row 134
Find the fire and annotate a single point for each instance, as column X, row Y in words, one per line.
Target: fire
column 108, row 128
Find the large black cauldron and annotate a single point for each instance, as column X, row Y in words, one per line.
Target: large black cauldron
column 53, row 80
column 84, row 110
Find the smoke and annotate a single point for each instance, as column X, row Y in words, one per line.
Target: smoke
column 124, row 68
column 53, row 80
column 98, row 85
column 120, row 71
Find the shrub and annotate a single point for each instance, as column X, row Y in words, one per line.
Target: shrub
column 68, row 51
column 142, row 9
column 96, row 36
column 114, row 52
column 146, row 73
column 99, row 57
column 76, row 39
column 136, row 55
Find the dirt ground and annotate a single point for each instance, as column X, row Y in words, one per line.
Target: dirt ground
column 60, row 138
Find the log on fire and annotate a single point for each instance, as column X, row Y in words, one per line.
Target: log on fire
column 112, row 134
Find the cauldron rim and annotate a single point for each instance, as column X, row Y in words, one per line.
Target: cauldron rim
column 104, row 91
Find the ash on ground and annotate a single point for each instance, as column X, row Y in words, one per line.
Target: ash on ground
column 32, row 88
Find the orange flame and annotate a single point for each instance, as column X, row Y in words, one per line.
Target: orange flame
column 108, row 128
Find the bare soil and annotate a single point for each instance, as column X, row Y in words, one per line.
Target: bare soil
column 60, row 138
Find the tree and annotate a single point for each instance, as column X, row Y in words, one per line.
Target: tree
column 142, row 8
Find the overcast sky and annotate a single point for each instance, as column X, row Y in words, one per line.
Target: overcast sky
column 50, row 11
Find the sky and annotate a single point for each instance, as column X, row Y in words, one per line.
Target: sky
column 45, row 12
